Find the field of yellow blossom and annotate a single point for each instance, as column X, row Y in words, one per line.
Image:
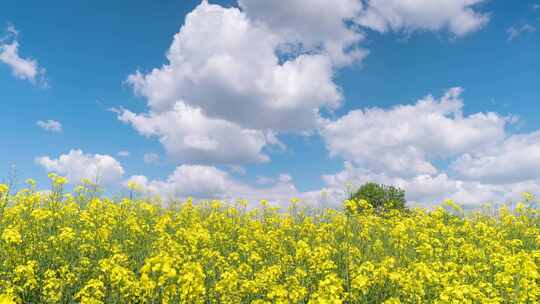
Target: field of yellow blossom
column 79, row 248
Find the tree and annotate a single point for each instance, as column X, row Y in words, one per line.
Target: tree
column 381, row 197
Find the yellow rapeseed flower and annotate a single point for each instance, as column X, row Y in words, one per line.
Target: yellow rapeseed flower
column 81, row 248
column 7, row 299
column 3, row 188
column 12, row 236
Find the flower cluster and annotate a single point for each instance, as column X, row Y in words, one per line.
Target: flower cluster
column 79, row 248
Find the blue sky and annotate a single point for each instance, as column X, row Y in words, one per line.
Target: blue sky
column 255, row 136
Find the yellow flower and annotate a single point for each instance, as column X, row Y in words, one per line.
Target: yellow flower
column 52, row 288
column 361, row 283
column 528, row 197
column 133, row 186
column 31, row 182
column 66, row 234
column 25, row 275
column 57, row 180
column 393, row 300
column 7, row 299
column 350, row 206
column 93, row 292
column 3, row 188
column 12, row 236
column 140, row 251
column 41, row 214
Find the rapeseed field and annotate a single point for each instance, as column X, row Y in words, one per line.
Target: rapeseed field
column 80, row 248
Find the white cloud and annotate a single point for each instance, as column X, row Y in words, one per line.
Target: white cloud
column 434, row 152
column 431, row 190
column 235, row 78
column 424, row 187
column 427, row 190
column 77, row 165
column 227, row 65
column 424, row 190
column 50, row 125
column 232, row 64
column 459, row 17
column 515, row 31
column 21, row 68
column 312, row 25
column 206, row 104
column 189, row 136
column 189, row 180
column 405, row 139
column 151, row 158
column 209, row 182
column 517, row 159
column 265, row 180
column 123, row 153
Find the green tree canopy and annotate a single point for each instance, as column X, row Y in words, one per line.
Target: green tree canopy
column 381, row 197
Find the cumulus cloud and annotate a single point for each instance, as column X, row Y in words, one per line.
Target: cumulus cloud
column 209, row 182
column 225, row 94
column 237, row 77
column 312, row 25
column 517, row 159
column 188, row 180
column 434, row 152
column 459, row 17
column 231, row 64
column 423, row 190
column 77, row 165
column 430, row 190
column 50, row 125
column 225, row 64
column 420, row 189
column 190, row 136
column 405, row 139
column 21, row 68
